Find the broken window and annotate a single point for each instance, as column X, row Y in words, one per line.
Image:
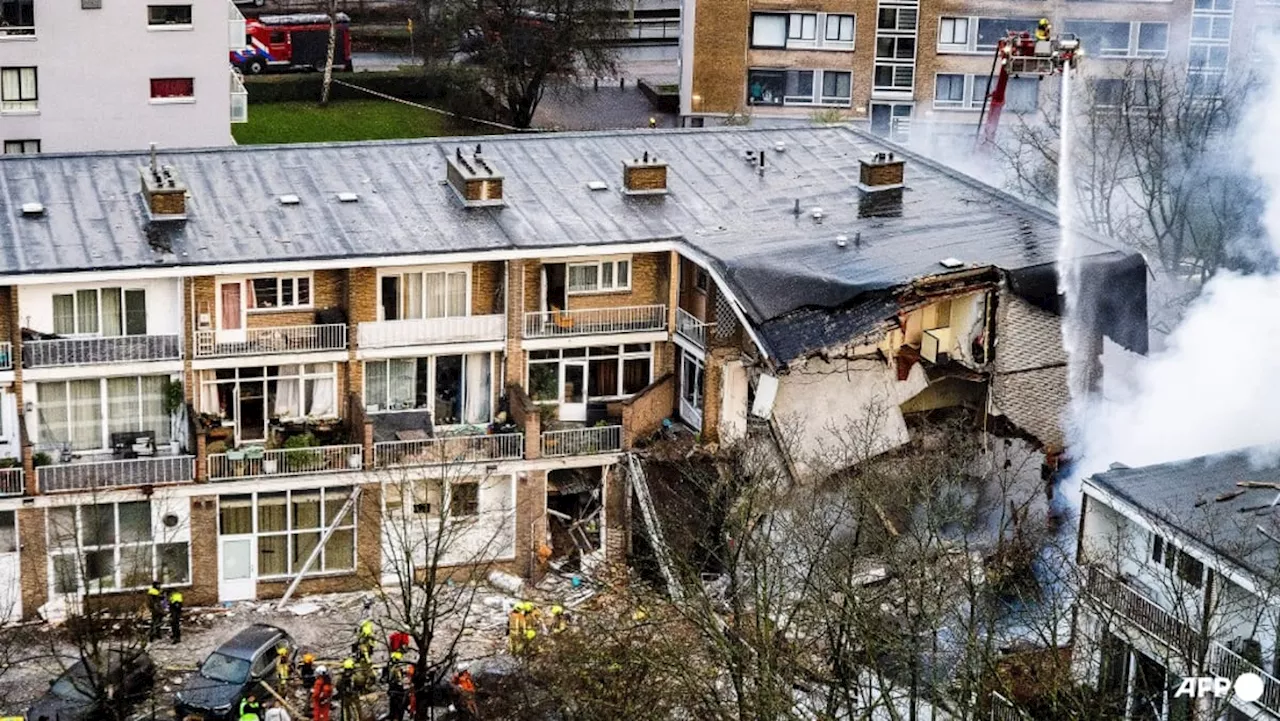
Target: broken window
column 464, row 499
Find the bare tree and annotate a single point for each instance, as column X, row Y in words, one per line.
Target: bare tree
column 333, row 43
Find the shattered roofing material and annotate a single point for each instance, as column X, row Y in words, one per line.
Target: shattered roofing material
column 774, row 260
column 1184, row 495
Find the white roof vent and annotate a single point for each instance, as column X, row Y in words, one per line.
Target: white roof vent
column 348, row 198
column 290, row 200
column 951, row 263
column 597, row 185
column 33, row 208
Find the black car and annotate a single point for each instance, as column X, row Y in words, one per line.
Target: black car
column 232, row 672
column 75, row 696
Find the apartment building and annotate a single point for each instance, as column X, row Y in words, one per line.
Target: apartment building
column 891, row 63
column 89, row 75
column 260, row 349
column 1180, row 563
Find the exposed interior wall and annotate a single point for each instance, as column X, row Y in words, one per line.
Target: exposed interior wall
column 733, row 402
column 1029, row 381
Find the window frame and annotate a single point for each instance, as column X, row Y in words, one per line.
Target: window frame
column 105, row 418
column 351, row 523
column 553, row 359
column 22, row 145
column 209, row 392
column 470, row 500
column 79, row 549
column 792, row 36
column 19, row 29
column 599, row 265
column 166, row 24
column 190, row 97
column 974, row 87
column 24, row 102
column 430, row 391
column 751, row 35
column 962, row 46
column 100, row 315
column 421, row 273
column 250, row 301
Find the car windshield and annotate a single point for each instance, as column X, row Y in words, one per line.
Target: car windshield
column 221, row 667
column 74, row 685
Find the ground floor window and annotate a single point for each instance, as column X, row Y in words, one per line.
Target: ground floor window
column 252, row 397
column 613, row 372
column 8, row 532
column 455, row 388
column 288, row 525
column 112, row 546
column 84, row 413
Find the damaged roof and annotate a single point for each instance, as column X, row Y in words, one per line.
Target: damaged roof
column 775, row 261
column 1201, row 498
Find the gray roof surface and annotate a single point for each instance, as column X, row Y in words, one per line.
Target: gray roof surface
column 1184, row 495
column 775, row 261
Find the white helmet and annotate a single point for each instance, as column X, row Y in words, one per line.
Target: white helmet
column 322, row 670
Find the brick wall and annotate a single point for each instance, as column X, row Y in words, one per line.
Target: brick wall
column 531, row 520
column 517, row 299
column 204, row 552
column 720, row 34
column 712, row 390
column 486, row 288
column 33, row 560
column 617, row 494
column 643, row 413
column 648, row 286
column 526, row 415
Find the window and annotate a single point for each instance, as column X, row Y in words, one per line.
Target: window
column 799, row 86
column 953, row 31
column 74, row 412
column 1211, row 27
column 768, row 30
column 17, row 17
column 968, row 92
column 172, row 88
column 1214, row 5
column 168, row 14
column 894, row 77
column 464, row 499
column 1153, row 39
column 802, row 27
column 1164, row 553
column 837, row 87
column 112, row 546
column 612, row 371
column 18, row 90
column 101, row 311
column 289, row 527
column 253, row 395
column 279, row 292
column 949, row 90
column 902, row 19
column 1103, row 39
column 897, row 48
column 990, row 30
column 1108, row 92
column 839, row 29
column 21, row 147
column 424, row 294
column 766, row 87
column 599, row 276
column 8, row 532
column 456, row 388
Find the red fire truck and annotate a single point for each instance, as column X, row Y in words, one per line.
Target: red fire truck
column 292, row 42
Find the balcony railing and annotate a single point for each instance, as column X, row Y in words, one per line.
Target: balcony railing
column 427, row 331
column 628, row 319
column 11, row 482
column 449, row 450
column 1225, row 663
column 260, row 341
column 6, row 356
column 90, row 351
column 254, row 463
column 113, row 474
column 239, row 98
column 582, row 441
column 691, row 329
column 235, row 27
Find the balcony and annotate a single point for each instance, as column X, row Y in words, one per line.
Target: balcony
column 239, row 98
column 430, row 331
column 11, row 482
column 235, row 27
column 92, row 351
column 595, row 321
column 256, row 462
column 95, row 475
column 691, row 329
column 266, row 341
column 1225, row 663
column 581, row 441
column 449, row 450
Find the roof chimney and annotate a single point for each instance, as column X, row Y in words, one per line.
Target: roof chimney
column 164, row 192
column 881, row 172
column 645, row 175
column 477, row 183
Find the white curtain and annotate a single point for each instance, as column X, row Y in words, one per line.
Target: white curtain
column 85, row 405
column 151, row 405
column 86, row 311
column 375, row 384
column 64, row 314
column 122, row 405
column 412, row 289
column 457, row 305
column 288, row 400
column 321, row 397
column 435, row 292
column 51, row 405
column 478, row 388
column 400, row 383
column 209, row 402
column 111, row 312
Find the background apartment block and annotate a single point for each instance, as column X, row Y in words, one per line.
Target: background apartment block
column 94, row 75
column 892, row 63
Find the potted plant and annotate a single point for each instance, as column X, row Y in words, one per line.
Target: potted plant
column 301, row 453
column 216, row 447
column 41, row 458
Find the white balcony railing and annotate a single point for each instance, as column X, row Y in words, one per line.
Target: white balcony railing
column 690, row 328
column 11, row 482
column 6, row 356
column 582, row 441
column 91, row 351
column 235, row 27
column 253, row 463
column 1223, row 662
column 259, row 341
column 92, row 475
column 428, row 331
column 239, row 98
column 449, row 450
column 592, row 321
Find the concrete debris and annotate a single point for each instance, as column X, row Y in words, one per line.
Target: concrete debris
column 304, row 609
column 506, row 582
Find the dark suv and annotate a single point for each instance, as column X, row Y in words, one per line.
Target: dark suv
column 231, row 673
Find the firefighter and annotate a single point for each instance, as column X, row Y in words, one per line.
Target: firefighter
column 398, row 641
column 307, row 671
column 1043, row 29
column 155, row 605
column 250, row 709
column 558, row 620
column 413, row 692
column 321, row 695
column 175, row 616
column 464, row 688
column 348, row 692
column 516, row 624
column 282, row 668
column 397, row 694
column 365, row 639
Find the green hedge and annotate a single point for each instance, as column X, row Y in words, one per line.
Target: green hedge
column 437, row 84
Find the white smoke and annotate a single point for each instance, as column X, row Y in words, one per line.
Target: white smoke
column 1216, row 385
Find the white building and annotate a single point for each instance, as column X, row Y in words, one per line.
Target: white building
column 1181, row 563
column 94, row 75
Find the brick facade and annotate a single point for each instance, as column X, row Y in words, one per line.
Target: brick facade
column 33, row 560
column 617, row 526
column 204, row 552
column 531, row 520
column 643, row 413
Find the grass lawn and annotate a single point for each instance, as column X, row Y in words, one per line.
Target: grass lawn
column 343, row 120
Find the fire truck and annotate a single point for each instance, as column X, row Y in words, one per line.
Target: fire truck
column 292, row 42
column 1021, row 54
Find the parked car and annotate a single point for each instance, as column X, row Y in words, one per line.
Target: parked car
column 232, row 672
column 74, row 696
column 255, row 3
